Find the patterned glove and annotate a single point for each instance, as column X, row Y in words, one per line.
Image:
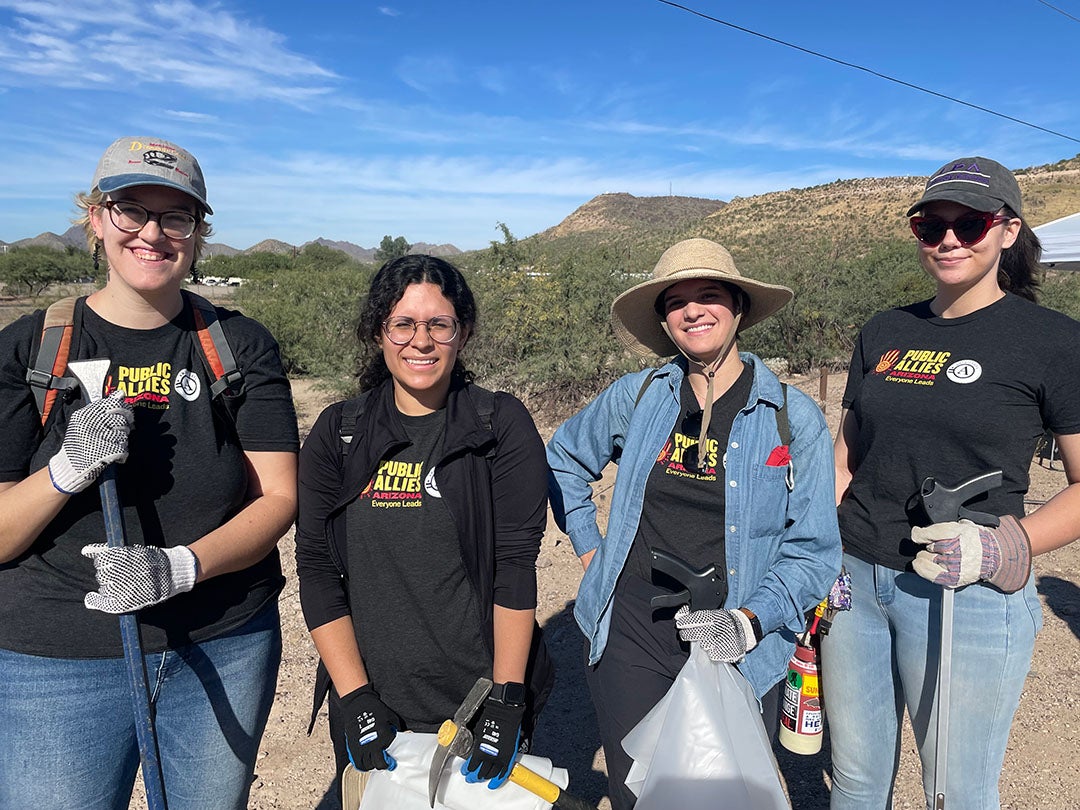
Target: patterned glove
column 960, row 552
column 495, row 744
column 725, row 635
column 96, row 436
column 371, row 727
column 134, row 577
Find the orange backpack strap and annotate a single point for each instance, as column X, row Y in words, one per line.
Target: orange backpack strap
column 219, row 357
column 46, row 372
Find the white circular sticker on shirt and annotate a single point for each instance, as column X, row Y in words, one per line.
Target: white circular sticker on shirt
column 431, row 487
column 964, row 371
column 187, row 385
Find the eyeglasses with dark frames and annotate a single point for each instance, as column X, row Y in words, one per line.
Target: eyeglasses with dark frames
column 969, row 229
column 400, row 330
column 131, row 217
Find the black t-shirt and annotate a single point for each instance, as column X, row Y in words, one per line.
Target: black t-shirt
column 951, row 398
column 683, row 510
column 416, row 616
column 185, row 476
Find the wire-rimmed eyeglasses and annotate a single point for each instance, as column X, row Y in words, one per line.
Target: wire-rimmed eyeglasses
column 400, row 329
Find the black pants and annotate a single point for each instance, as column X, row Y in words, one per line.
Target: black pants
column 639, row 664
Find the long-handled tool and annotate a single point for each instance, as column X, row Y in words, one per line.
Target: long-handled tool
column 455, row 739
column 91, row 376
column 943, row 504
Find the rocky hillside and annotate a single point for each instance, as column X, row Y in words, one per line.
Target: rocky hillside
column 845, row 216
column 618, row 213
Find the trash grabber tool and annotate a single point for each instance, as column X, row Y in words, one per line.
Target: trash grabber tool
column 455, row 739
column 943, row 504
column 91, row 376
column 703, row 589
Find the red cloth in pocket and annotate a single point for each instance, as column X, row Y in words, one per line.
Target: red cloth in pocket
column 779, row 457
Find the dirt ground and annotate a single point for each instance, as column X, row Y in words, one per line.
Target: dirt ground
column 1040, row 773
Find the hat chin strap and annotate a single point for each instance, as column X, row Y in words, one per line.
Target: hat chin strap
column 709, row 370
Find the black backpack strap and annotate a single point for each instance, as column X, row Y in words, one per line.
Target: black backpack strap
column 783, row 424
column 351, row 411
column 49, row 357
column 216, row 351
column 645, row 385
column 783, row 427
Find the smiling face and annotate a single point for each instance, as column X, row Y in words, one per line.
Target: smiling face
column 958, row 269
column 148, row 262
column 699, row 314
column 421, row 368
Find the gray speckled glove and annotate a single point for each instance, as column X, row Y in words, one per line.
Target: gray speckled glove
column 725, row 635
column 96, row 436
column 134, row 577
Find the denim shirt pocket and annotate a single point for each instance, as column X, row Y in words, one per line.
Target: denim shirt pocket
column 768, row 516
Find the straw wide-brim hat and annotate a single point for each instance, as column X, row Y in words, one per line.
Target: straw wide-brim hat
column 633, row 314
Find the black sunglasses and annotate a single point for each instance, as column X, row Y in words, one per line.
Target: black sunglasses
column 969, row 229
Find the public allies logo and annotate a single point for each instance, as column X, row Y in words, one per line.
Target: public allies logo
column 925, row 367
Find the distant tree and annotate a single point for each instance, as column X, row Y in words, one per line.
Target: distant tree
column 32, row 270
column 390, row 249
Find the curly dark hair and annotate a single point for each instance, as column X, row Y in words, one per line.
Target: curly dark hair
column 386, row 289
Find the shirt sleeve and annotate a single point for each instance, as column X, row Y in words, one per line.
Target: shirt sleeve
column 809, row 555
column 265, row 416
column 323, row 595
column 519, row 496
column 18, row 412
column 1060, row 395
column 578, row 453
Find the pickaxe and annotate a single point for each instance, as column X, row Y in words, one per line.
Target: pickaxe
column 455, row 739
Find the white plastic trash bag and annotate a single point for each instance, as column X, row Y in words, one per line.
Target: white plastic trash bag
column 406, row 787
column 704, row 745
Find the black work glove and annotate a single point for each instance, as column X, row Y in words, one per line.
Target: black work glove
column 370, row 726
column 495, row 743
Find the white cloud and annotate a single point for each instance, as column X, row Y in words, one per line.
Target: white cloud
column 195, row 117
column 387, row 11
column 202, row 48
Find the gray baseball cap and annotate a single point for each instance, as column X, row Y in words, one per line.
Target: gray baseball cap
column 977, row 182
column 150, row 162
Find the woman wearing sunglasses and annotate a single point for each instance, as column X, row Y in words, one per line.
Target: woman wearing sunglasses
column 206, row 485
column 422, row 504
column 949, row 388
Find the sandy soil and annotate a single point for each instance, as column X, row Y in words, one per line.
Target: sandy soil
column 1041, row 772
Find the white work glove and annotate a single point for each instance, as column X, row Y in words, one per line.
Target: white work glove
column 724, row 635
column 960, row 552
column 134, row 577
column 96, row 436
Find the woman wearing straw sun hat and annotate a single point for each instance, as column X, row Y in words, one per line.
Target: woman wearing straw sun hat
column 704, row 475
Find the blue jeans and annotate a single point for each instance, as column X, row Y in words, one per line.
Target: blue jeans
column 882, row 657
column 67, row 734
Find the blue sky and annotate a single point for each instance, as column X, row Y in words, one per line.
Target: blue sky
column 436, row 120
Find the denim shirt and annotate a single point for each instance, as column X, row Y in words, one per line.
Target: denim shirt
column 782, row 547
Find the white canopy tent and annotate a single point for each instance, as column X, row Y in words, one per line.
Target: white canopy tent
column 1061, row 243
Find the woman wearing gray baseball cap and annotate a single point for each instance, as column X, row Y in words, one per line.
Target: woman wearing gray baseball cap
column 206, row 485
column 950, row 388
column 720, row 465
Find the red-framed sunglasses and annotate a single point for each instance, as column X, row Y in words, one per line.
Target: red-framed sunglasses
column 969, row 229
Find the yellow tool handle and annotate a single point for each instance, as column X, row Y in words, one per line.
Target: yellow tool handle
column 535, row 783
